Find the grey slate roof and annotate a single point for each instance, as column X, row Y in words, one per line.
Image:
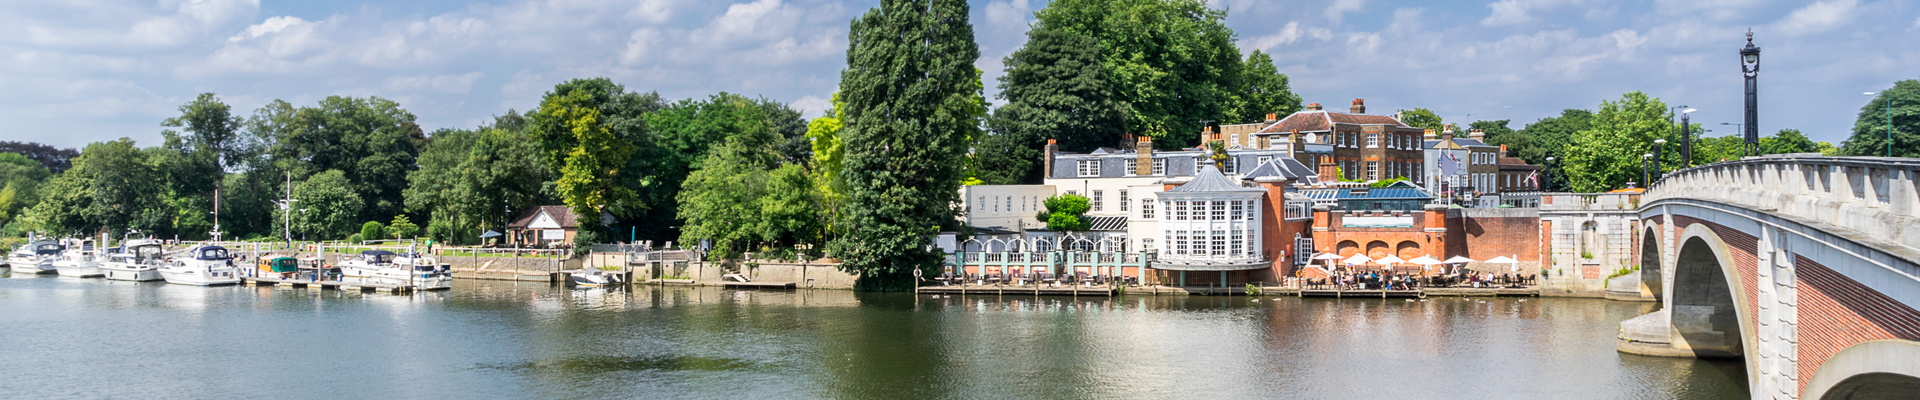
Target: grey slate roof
column 1281, row 167
column 1211, row 180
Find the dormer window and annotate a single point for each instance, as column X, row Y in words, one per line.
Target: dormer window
column 1089, row 167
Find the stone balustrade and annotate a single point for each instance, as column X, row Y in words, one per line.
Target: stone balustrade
column 1876, row 196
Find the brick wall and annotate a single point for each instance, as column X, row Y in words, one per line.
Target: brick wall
column 1836, row 312
column 1481, row 237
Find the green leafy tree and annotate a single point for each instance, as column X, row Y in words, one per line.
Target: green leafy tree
column 331, row 206
column 584, row 155
column 1826, row 149
column 829, row 159
column 790, row 212
column 1263, row 90
column 372, row 141
column 1608, row 154
column 1787, row 141
column 20, row 177
column 912, row 105
column 720, row 202
column 1055, row 88
column 1423, row 118
column 401, row 228
column 501, row 171
column 435, row 187
column 372, row 230
column 113, row 186
column 1870, row 129
column 1065, row 213
column 1171, row 62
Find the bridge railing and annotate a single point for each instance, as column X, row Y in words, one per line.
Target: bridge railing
column 1879, row 196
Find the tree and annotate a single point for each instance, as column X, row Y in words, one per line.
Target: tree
column 210, row 132
column 54, row 159
column 501, row 170
column 401, row 228
column 1870, row 129
column 1054, row 88
column 1787, row 141
column 791, row 212
column 1171, row 62
column 1423, row 118
column 1607, row 155
column 1065, row 213
column 1263, row 90
column 331, row 206
column 829, row 158
column 372, row 141
column 720, row 202
column 584, row 155
column 1550, row 138
column 912, row 104
column 20, row 177
column 113, row 186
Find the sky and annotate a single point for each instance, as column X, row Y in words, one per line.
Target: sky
column 79, row 71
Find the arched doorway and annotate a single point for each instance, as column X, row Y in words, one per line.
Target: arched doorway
column 1703, row 309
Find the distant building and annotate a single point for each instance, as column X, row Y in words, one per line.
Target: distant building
column 1518, row 182
column 546, row 226
column 1361, row 147
column 1461, row 168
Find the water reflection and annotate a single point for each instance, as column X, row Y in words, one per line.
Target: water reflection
column 507, row 339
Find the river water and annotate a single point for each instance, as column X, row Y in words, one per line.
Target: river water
column 91, row 338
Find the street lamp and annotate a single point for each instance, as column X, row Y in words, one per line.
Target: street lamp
column 1889, row 102
column 1549, row 174
column 1750, row 67
column 1659, row 153
column 1686, row 138
column 1646, row 175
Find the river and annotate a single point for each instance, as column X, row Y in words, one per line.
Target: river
column 91, row 338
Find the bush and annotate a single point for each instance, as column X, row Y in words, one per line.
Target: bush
column 353, row 239
column 401, row 228
column 372, row 230
column 440, row 231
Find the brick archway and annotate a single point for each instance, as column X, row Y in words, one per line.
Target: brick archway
column 1347, row 248
column 1408, row 250
column 1378, row 250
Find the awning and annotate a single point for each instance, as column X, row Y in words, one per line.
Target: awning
column 490, row 234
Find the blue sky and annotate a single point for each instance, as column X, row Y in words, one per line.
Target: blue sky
column 81, row 71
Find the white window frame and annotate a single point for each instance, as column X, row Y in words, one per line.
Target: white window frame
column 1159, row 166
column 1087, row 168
column 1235, row 141
column 1373, row 140
column 1302, row 249
column 1133, row 165
column 1146, row 208
column 1097, row 194
column 1373, row 169
column 1262, row 160
column 1231, row 166
column 1123, row 200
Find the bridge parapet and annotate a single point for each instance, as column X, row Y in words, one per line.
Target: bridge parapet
column 1876, row 196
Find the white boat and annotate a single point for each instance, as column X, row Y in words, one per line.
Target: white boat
column 35, row 257
column 592, row 277
column 423, row 273
column 137, row 260
column 202, row 266
column 81, row 259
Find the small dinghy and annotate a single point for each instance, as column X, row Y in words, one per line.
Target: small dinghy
column 594, row 278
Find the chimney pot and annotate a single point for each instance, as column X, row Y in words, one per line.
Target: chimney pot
column 1313, row 106
column 1273, row 117
column 1359, row 106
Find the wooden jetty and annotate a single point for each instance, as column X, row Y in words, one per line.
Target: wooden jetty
column 336, row 285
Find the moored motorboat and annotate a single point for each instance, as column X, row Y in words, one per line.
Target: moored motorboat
column 79, row 260
column 35, row 257
column 592, row 277
column 422, row 273
column 137, row 260
column 204, row 265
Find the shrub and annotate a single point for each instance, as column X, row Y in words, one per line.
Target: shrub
column 401, row 228
column 353, row 239
column 372, row 230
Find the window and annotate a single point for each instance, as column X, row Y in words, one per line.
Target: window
column 1023, row 203
column 1230, row 166
column 1235, row 141
column 1373, row 169
column 1302, row 249
column 1096, row 200
column 1159, row 166
column 1180, row 242
column 1146, row 208
column 1277, row 142
column 1237, row 243
column 1262, row 160
column 996, row 204
column 1373, row 140
column 1133, row 167
column 1089, row 167
column 1009, row 203
column 982, row 204
column 1180, row 211
column 1123, row 200
column 1239, row 211
column 1219, row 243
column 1298, row 209
column 1219, row 211
column 1146, row 244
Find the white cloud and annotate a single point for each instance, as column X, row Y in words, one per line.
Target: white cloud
column 1817, row 17
column 456, row 84
column 1340, row 8
column 811, row 106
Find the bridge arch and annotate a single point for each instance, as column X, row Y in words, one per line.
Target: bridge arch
column 1880, row 369
column 1651, row 262
column 1708, row 311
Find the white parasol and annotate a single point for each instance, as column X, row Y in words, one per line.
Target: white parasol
column 1505, row 260
column 1425, row 262
column 1358, row 259
column 1390, row 260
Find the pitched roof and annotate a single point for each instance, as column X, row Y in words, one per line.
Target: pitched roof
column 1283, row 167
column 1209, row 179
column 560, row 214
column 1320, row 121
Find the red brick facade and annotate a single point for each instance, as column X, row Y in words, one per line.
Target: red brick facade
column 1482, row 238
column 1407, row 243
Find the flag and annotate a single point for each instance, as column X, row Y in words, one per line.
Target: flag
column 1533, row 179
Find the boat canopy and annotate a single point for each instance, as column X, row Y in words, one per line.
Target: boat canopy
column 211, row 253
column 377, row 256
column 376, row 253
column 281, row 264
column 47, row 248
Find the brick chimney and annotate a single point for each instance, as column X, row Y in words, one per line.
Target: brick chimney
column 1476, row 134
column 1143, row 150
column 1359, row 106
column 1431, row 135
column 1503, row 150
column 1447, row 135
column 1053, row 146
column 1313, row 107
column 1271, row 117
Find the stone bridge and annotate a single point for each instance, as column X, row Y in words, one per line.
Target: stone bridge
column 1803, row 266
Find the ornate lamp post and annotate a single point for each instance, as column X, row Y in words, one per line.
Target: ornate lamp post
column 1750, row 67
column 1659, row 153
column 1646, row 175
column 1549, row 175
column 1686, row 138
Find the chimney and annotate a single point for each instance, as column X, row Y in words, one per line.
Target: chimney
column 1476, row 134
column 1359, row 106
column 1273, row 117
column 1503, row 150
column 1313, row 106
column 1143, row 151
column 1447, row 135
column 1431, row 135
column 1053, row 146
